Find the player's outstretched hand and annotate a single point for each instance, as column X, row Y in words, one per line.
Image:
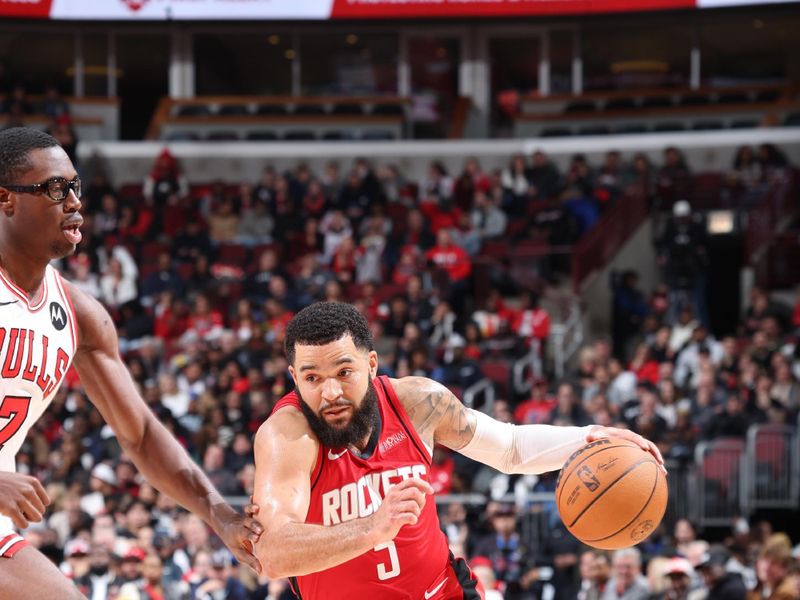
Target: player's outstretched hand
column 251, row 509
column 599, row 432
column 240, row 533
column 401, row 506
column 22, row 498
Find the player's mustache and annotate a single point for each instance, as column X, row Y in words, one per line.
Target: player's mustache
column 337, row 404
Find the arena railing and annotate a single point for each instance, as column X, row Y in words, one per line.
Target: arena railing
column 484, row 391
column 721, row 482
column 526, row 369
column 595, row 249
column 567, row 337
column 771, row 462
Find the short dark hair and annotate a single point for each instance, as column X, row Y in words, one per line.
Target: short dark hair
column 326, row 322
column 16, row 144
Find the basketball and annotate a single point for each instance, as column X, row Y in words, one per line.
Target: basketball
column 611, row 494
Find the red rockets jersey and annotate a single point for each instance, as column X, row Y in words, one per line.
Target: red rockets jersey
column 346, row 486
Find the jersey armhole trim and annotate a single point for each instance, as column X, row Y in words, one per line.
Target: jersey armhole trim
column 317, row 467
column 66, row 297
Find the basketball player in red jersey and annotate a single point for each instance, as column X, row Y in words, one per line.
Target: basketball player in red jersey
column 44, row 323
column 343, row 466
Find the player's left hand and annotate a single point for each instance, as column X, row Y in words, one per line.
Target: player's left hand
column 599, row 432
column 240, row 533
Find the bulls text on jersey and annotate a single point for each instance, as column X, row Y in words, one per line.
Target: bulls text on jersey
column 24, row 353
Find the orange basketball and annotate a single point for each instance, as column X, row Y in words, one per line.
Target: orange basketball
column 611, row 494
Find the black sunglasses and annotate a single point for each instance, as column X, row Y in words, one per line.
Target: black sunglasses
column 56, row 188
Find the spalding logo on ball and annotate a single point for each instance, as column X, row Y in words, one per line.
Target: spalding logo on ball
column 611, row 494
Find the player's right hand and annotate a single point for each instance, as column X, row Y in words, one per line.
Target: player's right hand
column 401, row 506
column 22, row 498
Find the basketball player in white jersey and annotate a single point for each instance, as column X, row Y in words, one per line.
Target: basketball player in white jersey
column 46, row 324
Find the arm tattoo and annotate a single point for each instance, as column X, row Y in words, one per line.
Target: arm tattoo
column 438, row 415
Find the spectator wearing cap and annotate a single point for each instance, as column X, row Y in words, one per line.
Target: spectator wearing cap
column 719, row 582
column 130, row 567
column 76, row 558
column 150, row 586
column 510, row 558
column 684, row 257
column 772, row 568
column 96, row 584
column 482, row 568
column 102, row 483
column 678, row 574
column 627, row 582
column 457, row 369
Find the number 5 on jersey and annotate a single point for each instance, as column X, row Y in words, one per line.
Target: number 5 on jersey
column 394, row 562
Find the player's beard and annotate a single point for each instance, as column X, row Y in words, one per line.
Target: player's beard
column 363, row 420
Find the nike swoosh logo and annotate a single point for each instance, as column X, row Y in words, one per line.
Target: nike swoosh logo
column 6, row 303
column 332, row 456
column 432, row 593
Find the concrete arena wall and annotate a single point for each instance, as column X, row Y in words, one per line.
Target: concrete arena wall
column 243, row 161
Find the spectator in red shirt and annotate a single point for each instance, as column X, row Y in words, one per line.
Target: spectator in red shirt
column 454, row 262
column 453, row 259
column 408, row 265
column 205, row 321
column 344, row 260
column 531, row 322
column 645, row 368
column 442, row 469
column 538, row 407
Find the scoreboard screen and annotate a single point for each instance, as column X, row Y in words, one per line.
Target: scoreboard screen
column 321, row 10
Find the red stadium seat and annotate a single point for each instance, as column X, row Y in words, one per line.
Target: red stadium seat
column 232, row 254
column 499, row 372
column 498, row 249
column 150, row 251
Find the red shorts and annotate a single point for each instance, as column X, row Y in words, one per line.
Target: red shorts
column 457, row 582
column 11, row 544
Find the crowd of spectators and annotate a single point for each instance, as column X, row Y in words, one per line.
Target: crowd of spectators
column 203, row 279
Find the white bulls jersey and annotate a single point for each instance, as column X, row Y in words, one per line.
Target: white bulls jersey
column 37, row 343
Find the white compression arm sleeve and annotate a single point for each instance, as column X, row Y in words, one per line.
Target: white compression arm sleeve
column 526, row 449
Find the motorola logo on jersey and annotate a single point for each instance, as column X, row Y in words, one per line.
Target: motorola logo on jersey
column 58, row 316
